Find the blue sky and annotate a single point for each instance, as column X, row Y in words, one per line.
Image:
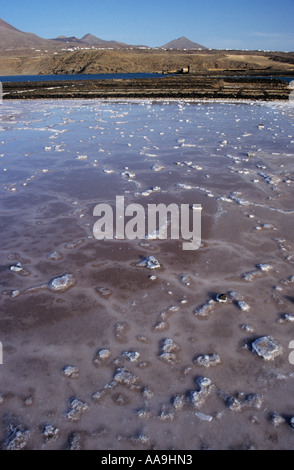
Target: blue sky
column 250, row 24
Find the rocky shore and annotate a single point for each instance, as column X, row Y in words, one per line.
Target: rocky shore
column 181, row 86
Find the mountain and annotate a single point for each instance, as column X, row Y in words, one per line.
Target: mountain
column 67, row 39
column 12, row 39
column 3, row 24
column 91, row 39
column 94, row 41
column 183, row 43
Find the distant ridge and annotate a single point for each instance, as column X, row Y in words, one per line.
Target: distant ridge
column 94, row 41
column 66, row 39
column 13, row 39
column 183, row 43
column 3, row 24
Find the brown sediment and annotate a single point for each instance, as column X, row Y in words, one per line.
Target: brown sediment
column 177, row 87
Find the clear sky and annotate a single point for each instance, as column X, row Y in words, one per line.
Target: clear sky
column 236, row 24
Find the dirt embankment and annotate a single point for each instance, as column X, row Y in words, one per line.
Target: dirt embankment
column 130, row 61
column 181, row 86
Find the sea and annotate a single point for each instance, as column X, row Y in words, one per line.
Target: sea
column 105, row 76
column 101, row 76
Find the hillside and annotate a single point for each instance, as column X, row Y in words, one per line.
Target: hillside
column 132, row 61
column 183, row 44
column 14, row 40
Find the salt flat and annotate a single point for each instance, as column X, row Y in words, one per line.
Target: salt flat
column 99, row 352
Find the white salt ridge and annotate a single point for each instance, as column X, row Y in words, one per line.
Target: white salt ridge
column 264, row 267
column 224, row 199
column 58, row 148
column 241, row 201
column 266, row 227
column 271, row 179
column 149, row 191
column 184, row 186
column 205, row 309
column 157, row 167
column 127, row 174
column 235, row 196
column 243, row 306
column 251, row 275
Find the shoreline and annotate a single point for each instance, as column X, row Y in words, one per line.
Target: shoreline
column 178, row 87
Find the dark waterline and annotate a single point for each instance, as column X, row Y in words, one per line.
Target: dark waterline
column 107, row 76
column 270, row 77
column 53, row 78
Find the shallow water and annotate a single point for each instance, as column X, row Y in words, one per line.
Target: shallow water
column 58, row 159
column 80, row 76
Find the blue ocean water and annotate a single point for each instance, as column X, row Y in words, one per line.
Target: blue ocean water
column 102, row 76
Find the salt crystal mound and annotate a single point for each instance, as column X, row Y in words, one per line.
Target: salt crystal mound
column 50, row 432
column 77, row 408
column 267, row 348
column 101, row 356
column 207, row 360
column 18, row 438
column 131, row 356
column 55, row 256
column 72, row 372
column 204, row 388
column 16, row 268
column 168, row 350
column 62, row 283
column 124, row 377
column 242, row 401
